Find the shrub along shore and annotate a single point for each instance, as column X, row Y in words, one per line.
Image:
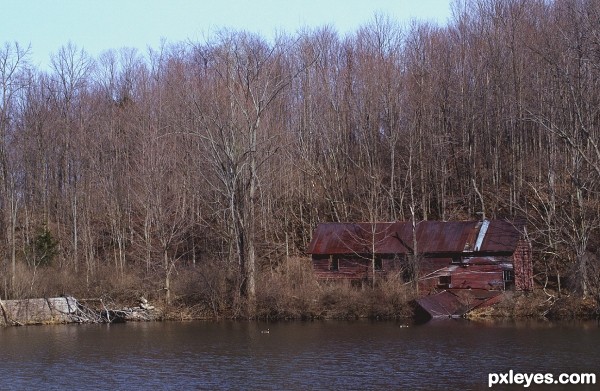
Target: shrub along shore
column 290, row 292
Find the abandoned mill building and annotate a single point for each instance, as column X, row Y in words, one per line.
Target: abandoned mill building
column 460, row 264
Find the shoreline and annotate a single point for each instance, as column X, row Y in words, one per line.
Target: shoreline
column 68, row 310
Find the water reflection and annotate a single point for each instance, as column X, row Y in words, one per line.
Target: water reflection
column 292, row 356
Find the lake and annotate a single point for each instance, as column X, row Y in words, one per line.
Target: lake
column 320, row 355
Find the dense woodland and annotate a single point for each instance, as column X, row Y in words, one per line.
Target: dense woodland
column 196, row 169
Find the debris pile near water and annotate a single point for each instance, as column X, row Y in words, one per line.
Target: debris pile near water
column 67, row 309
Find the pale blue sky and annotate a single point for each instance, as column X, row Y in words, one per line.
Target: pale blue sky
column 112, row 24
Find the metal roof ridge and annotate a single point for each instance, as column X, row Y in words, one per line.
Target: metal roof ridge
column 482, row 231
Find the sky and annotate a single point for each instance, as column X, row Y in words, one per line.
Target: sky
column 99, row 25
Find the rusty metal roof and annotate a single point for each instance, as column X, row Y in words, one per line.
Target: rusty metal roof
column 432, row 237
column 502, row 236
column 456, row 303
column 443, row 304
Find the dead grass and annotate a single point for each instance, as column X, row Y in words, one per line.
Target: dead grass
column 538, row 304
column 292, row 292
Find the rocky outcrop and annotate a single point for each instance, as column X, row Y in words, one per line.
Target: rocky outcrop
column 67, row 309
column 39, row 311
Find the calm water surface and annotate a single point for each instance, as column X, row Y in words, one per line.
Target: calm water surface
column 292, row 356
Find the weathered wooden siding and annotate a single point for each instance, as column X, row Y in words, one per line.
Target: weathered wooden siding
column 436, row 273
column 353, row 268
column 483, row 273
column 336, row 267
column 489, row 277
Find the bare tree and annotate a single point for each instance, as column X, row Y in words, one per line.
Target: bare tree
column 246, row 77
column 13, row 80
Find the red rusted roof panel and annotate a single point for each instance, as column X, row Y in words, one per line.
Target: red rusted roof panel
column 443, row 304
column 445, row 237
column 397, row 238
column 502, row 236
column 455, row 302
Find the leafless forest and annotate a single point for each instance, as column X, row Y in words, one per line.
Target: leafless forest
column 196, row 173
